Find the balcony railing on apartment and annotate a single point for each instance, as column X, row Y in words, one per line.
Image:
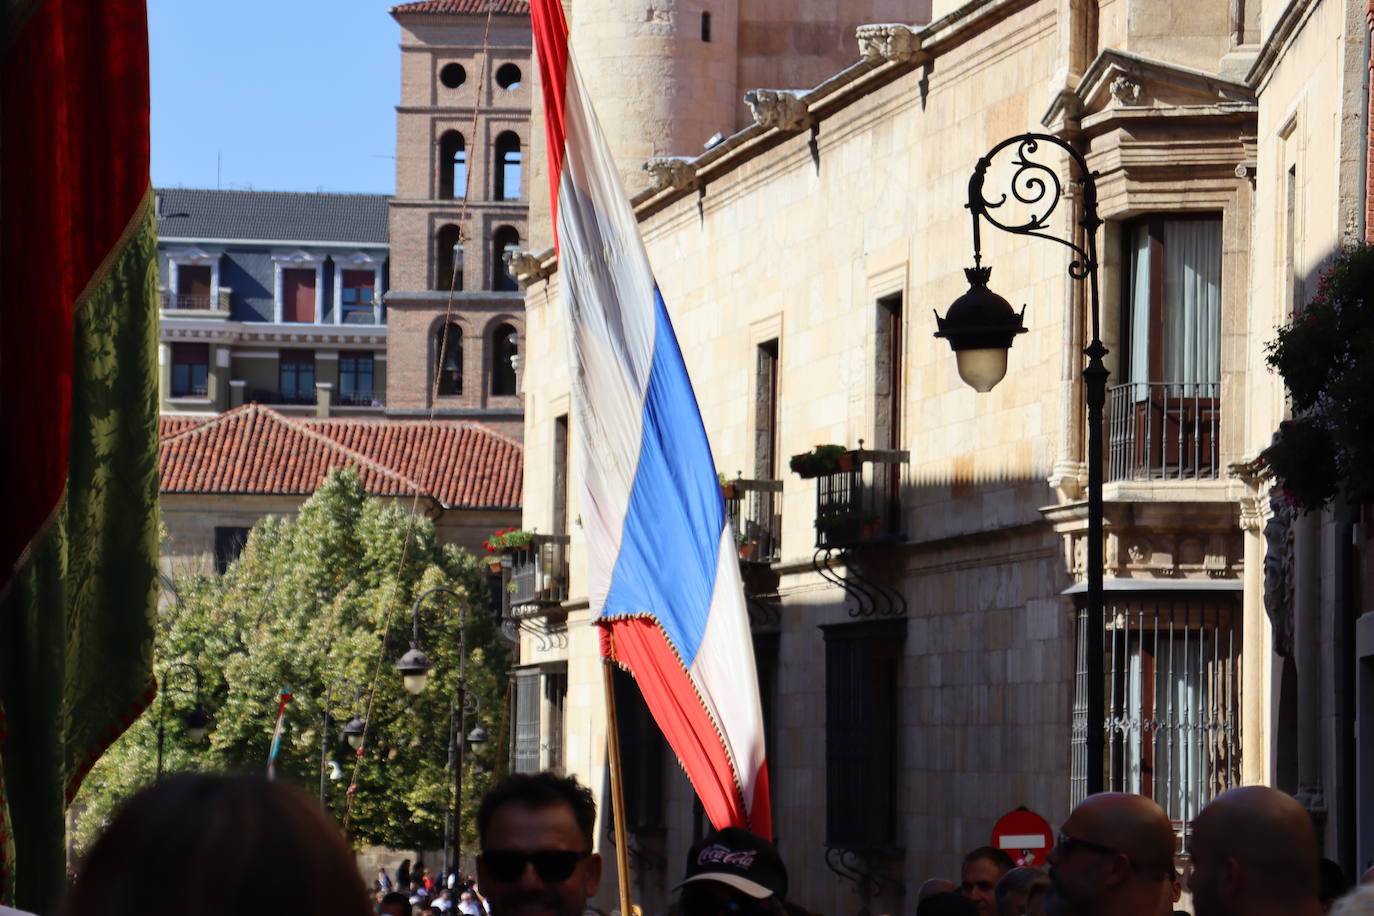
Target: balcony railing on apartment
column 358, row 398
column 268, row 396
column 1163, row 431
column 538, row 575
column 755, row 510
column 859, row 503
column 201, row 302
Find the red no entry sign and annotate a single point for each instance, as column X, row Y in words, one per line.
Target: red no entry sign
column 1024, row 835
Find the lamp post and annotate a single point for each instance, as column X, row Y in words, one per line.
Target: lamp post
column 980, row 327
column 196, row 721
column 352, row 732
column 414, row 667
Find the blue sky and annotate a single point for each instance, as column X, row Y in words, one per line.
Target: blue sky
column 289, row 95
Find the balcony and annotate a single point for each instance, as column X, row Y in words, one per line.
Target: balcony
column 859, row 502
column 538, row 575
column 1163, row 431
column 358, row 398
column 196, row 302
column 267, row 396
column 755, row 510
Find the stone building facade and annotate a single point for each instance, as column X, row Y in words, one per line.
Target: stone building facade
column 923, row 678
column 462, row 140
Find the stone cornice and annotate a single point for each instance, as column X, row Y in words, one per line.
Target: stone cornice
column 1292, row 18
column 260, row 332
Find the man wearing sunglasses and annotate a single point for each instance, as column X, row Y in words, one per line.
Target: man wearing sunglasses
column 1114, row 855
column 733, row 872
column 536, row 835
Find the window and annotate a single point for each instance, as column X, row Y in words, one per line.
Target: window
column 862, row 661
column 296, row 374
column 766, row 410
column 525, row 753
column 453, row 166
column 641, row 752
column 505, row 352
column 508, row 76
column 888, row 383
column 355, row 379
column 555, row 698
column 448, row 344
column 193, row 286
column 706, row 26
column 357, row 296
column 448, row 259
column 560, row 474
column 1172, row 667
column 190, row 370
column 192, row 280
column 505, row 240
column 1164, row 418
column 453, row 75
column 507, row 167
column 298, row 294
column 229, row 544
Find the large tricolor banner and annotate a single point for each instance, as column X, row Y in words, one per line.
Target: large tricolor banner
column 663, row 570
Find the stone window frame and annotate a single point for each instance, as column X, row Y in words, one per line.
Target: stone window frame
column 194, row 257
column 358, row 260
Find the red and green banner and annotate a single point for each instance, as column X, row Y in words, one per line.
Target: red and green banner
column 78, row 414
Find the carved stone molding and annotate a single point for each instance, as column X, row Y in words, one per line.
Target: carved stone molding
column 887, row 42
column 676, row 172
column 780, row 108
column 1125, row 90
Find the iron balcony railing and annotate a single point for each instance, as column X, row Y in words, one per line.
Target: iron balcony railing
column 1172, row 699
column 203, row 302
column 358, row 398
column 1163, row 431
column 539, row 574
column 755, row 510
column 268, row 396
column 859, row 502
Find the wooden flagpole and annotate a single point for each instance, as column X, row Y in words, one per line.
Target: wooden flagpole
column 622, row 843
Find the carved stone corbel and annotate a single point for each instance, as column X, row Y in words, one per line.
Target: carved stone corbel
column 887, row 42
column 780, row 108
column 1126, row 90
column 676, row 172
column 523, row 266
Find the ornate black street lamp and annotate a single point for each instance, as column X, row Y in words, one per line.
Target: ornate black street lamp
column 197, row 721
column 414, row 667
column 352, row 732
column 980, row 327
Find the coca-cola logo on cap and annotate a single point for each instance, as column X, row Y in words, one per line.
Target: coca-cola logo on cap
column 723, row 855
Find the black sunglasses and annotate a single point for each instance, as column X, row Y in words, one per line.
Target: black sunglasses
column 1067, row 844
column 551, row 865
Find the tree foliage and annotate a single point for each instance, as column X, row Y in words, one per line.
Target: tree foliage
column 321, row 605
column 1326, row 358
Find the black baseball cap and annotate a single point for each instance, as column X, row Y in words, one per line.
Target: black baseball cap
column 739, row 859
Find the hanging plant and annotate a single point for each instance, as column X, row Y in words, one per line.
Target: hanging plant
column 1326, row 358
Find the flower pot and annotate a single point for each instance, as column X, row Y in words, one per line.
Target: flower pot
column 494, row 566
column 727, row 491
column 746, row 550
column 845, row 462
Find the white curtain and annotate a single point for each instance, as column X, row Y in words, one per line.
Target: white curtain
column 1138, row 370
column 1192, row 301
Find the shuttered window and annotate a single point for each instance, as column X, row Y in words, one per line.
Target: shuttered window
column 525, row 754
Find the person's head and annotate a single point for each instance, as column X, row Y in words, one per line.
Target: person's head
column 978, row 877
column 946, row 904
column 396, row 903
column 218, row 842
column 1014, row 889
column 1332, row 883
column 1114, row 854
column 733, row 871
column 535, row 831
column 932, row 886
column 1254, row 850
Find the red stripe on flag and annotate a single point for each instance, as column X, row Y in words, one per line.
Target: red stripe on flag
column 642, row 647
column 551, row 44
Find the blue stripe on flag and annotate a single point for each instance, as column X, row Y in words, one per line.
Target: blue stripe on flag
column 670, row 546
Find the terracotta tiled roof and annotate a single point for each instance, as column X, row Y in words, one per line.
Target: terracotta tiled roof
column 499, row 7
column 255, row 449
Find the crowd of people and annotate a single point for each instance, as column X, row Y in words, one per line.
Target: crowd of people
column 235, row 846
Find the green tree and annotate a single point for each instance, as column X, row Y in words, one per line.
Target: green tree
column 320, row 605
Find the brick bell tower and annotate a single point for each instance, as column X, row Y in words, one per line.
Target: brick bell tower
column 455, row 314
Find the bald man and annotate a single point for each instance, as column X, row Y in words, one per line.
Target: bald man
column 1114, row 854
column 1254, row 852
